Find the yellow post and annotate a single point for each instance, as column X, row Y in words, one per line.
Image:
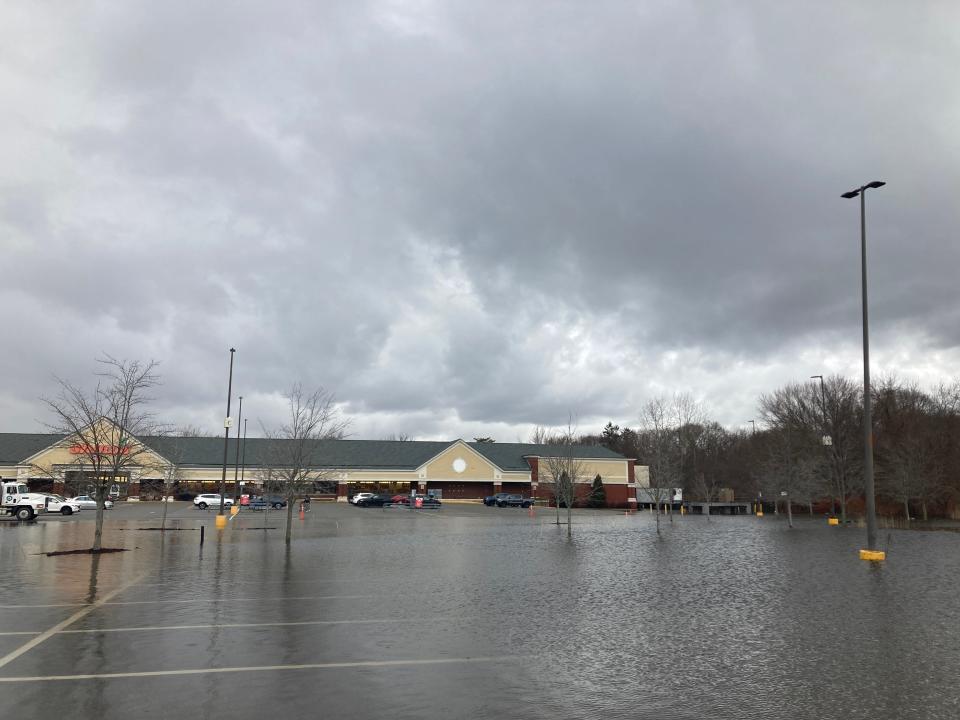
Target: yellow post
column 221, row 522
column 234, row 509
column 833, row 521
column 874, row 555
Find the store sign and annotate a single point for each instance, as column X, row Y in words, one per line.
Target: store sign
column 99, row 450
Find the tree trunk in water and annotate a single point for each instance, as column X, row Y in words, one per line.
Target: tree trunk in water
column 669, row 512
column 906, row 510
column 290, row 502
column 923, row 506
column 98, row 531
column 556, row 501
column 810, row 503
column 843, row 510
column 163, row 518
column 789, row 512
column 658, row 518
column 569, row 518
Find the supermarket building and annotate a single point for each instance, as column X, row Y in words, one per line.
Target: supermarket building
column 451, row 470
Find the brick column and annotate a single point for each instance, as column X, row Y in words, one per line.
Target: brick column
column 341, row 491
column 631, row 484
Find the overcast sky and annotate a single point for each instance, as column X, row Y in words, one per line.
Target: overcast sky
column 469, row 218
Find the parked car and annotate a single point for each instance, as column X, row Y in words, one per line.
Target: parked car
column 491, row 500
column 210, row 500
column 360, row 496
column 264, row 501
column 514, row 501
column 185, row 496
column 60, row 504
column 375, row 501
column 87, row 502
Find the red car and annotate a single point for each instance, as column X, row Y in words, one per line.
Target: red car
column 400, row 499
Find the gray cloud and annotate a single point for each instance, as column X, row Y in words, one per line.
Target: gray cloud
column 474, row 218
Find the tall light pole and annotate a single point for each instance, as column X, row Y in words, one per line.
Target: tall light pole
column 753, row 434
column 226, row 433
column 243, row 454
column 236, row 457
column 871, row 502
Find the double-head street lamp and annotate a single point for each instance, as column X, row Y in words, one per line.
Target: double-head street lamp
column 867, row 419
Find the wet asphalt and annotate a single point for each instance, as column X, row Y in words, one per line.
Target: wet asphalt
column 474, row 612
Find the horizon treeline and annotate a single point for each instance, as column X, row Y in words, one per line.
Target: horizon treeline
column 808, row 446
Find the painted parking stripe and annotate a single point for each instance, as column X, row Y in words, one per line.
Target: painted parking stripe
column 46, row 635
column 217, row 626
column 269, row 668
column 196, row 600
column 241, row 599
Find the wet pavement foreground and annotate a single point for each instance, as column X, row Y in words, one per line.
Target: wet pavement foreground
column 473, row 612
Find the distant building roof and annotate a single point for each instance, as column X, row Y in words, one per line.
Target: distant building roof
column 345, row 454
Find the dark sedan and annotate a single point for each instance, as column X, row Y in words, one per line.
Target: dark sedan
column 378, row 500
column 491, row 500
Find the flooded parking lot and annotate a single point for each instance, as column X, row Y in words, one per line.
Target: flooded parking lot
column 475, row 612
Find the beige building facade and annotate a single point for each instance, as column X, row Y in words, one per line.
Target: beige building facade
column 340, row 468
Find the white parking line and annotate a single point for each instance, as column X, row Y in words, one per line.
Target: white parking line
column 241, row 599
column 46, row 635
column 194, row 600
column 268, row 668
column 216, row 626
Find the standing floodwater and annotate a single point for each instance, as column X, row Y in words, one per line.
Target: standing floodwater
column 481, row 613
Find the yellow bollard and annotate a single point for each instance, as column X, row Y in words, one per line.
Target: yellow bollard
column 683, row 511
column 221, row 522
column 234, row 509
column 874, row 555
column 760, row 513
column 833, row 521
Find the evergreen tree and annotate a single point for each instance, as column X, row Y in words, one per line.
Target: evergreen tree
column 598, row 496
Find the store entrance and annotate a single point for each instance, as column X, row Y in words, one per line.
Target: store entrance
column 383, row 488
column 78, row 482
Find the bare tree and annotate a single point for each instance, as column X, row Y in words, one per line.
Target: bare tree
column 658, row 444
column 294, row 449
column 565, row 471
column 101, row 427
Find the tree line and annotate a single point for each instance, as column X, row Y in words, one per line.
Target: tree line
column 806, row 447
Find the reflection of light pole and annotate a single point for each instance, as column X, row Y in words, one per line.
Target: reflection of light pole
column 236, row 457
column 867, row 419
column 226, row 433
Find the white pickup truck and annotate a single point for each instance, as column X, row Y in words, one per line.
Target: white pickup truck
column 19, row 501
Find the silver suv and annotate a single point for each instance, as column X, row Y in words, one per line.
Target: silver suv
column 210, row 500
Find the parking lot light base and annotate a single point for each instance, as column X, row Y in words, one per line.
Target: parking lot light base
column 221, row 521
column 873, row 555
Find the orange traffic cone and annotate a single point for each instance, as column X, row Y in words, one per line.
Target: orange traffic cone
column 301, row 511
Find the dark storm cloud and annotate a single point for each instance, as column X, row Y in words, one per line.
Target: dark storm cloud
column 475, row 215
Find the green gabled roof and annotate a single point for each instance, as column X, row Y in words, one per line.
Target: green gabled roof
column 511, row 456
column 340, row 454
column 17, row 447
